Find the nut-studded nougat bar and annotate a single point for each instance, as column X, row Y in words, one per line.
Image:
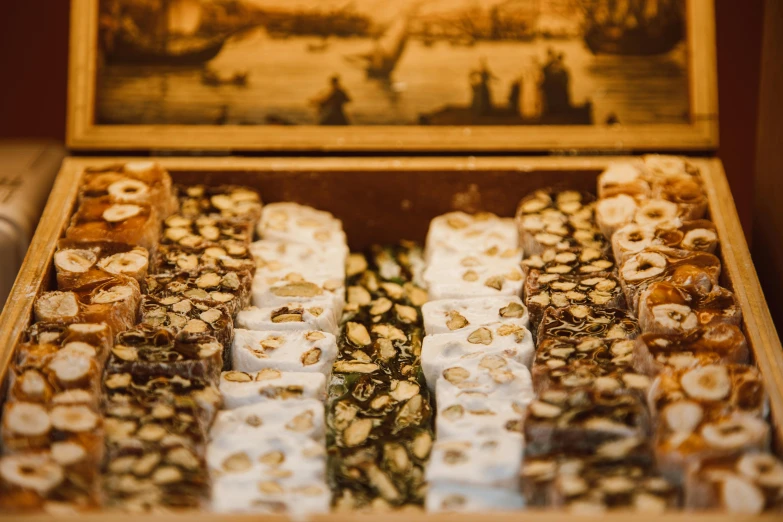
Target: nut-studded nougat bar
column 229, row 288
column 714, row 344
column 626, row 177
column 698, row 270
column 479, row 417
column 225, row 201
column 581, row 420
column 579, row 321
column 34, row 426
column 589, row 362
column 225, row 256
column 666, row 308
column 104, row 220
column 294, row 223
column 462, row 233
column 294, row 288
column 619, row 211
column 284, row 350
column 244, row 388
column 483, row 461
column 487, row 376
column 276, row 259
column 191, row 316
column 580, row 262
column 201, row 231
column 452, row 315
column 403, row 261
column 697, row 236
column 135, row 182
column 94, row 338
column 445, row 282
column 507, row 340
column 445, row 497
column 747, row 483
column 557, row 220
column 160, row 352
column 78, row 264
column 307, row 316
column 298, row 419
column 543, row 291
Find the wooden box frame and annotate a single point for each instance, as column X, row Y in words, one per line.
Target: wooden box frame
column 393, row 204
column 700, row 134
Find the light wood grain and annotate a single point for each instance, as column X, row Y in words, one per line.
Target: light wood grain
column 701, row 134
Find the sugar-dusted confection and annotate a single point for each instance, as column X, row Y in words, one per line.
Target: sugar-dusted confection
column 225, row 256
column 278, row 259
column 284, row 350
column 698, row 270
column 666, row 308
column 600, row 364
column 477, row 417
column 585, row 261
column 696, row 235
column 728, row 387
column 462, row 283
column 191, row 316
column 586, row 488
column 78, row 264
column 578, row 321
column 557, row 220
column 242, row 388
column 231, row 289
column 714, row 344
column 32, row 426
column 83, row 336
column 543, row 291
column 150, row 351
column 294, row 288
column 748, row 483
column 494, row 256
column 627, row 177
column 300, row 419
column 483, row 461
column 226, row 201
column 134, row 182
column 276, row 496
column 305, row 316
column 484, row 376
column 506, row 340
column 452, row 315
column 294, row 223
column 581, row 420
column 200, row 231
column 104, row 220
column 470, row 233
column 450, row 497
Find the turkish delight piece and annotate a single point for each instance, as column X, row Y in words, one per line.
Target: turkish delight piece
column 193, row 317
column 488, row 376
column 104, row 220
column 244, row 388
column 284, row 350
column 580, row 262
column 666, row 308
column 625, row 177
column 301, row 419
column 696, row 236
column 277, row 259
column 80, row 264
column 543, row 291
column 454, row 315
column 589, row 362
column 746, row 483
column 581, row 420
column 302, row 316
column 557, row 220
column 294, row 223
column 33, row 426
column 448, row 497
column 715, row 344
column 579, row 321
column 481, row 461
column 506, row 340
column 459, row 232
column 229, row 288
column 463, row 283
column 226, row 201
column 294, row 288
column 477, row 417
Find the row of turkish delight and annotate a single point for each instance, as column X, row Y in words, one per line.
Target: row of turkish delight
column 266, row 451
column 379, row 415
column 475, row 359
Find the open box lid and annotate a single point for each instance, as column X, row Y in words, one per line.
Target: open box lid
column 380, row 76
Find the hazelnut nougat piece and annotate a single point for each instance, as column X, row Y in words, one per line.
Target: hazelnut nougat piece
column 104, row 220
column 224, row 256
column 194, row 317
column 224, row 201
column 151, row 352
column 581, row 420
column 134, row 182
column 543, row 291
column 697, row 236
column 454, row 315
column 745, row 483
column 284, row 350
column 714, row 344
column 294, row 223
column 305, row 316
column 35, row 426
column 667, row 308
column 462, row 233
column 81, row 263
column 558, row 220
column 579, row 262
column 601, row 364
column 93, row 338
column 243, row 388
column 507, row 340
column 617, row 212
column 580, row 321
column 231, row 289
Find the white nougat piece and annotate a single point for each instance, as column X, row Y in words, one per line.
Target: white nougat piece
column 294, row 223
column 461, row 232
column 444, row 497
column 470, row 345
column 271, row 497
column 284, row 350
column 278, row 259
column 242, row 388
column 295, row 289
column 478, row 417
column 456, row 315
column 317, row 314
column 484, row 461
column 299, row 419
column 466, row 283
column 488, row 376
